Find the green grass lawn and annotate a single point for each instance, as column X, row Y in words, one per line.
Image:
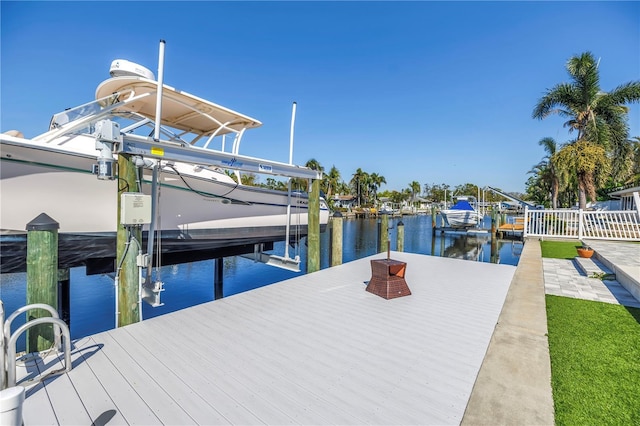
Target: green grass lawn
column 595, row 356
column 595, row 362
column 559, row 249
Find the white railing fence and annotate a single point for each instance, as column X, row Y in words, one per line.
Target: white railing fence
column 604, row 225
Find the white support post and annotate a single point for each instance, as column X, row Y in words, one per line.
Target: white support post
column 156, row 134
column 580, row 224
column 288, row 226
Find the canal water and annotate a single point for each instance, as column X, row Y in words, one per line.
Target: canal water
column 93, row 299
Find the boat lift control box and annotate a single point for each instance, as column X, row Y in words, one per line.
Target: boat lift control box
column 135, row 208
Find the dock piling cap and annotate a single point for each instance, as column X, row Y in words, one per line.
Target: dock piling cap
column 42, row 223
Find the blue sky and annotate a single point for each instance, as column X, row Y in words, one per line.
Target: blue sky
column 434, row 92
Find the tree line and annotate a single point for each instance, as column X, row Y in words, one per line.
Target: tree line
column 601, row 156
column 364, row 186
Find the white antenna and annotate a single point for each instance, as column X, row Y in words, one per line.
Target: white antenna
column 156, row 134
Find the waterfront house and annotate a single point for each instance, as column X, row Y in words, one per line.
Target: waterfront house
column 344, row 201
column 626, row 197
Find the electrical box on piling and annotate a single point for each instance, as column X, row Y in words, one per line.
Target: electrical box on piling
column 135, row 209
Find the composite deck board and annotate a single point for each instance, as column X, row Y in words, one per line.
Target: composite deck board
column 242, row 369
column 216, row 390
column 69, row 409
column 222, row 388
column 156, row 398
column 316, row 349
column 61, row 392
column 44, row 413
column 254, row 363
column 36, row 394
column 87, row 384
column 216, row 405
column 227, row 379
column 120, row 389
column 159, row 363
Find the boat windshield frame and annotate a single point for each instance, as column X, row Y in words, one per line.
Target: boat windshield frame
column 70, row 115
column 81, row 120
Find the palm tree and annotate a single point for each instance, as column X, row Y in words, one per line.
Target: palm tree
column 635, row 170
column 359, row 185
column 314, row 164
column 551, row 175
column 303, row 184
column 599, row 118
column 590, row 164
column 249, row 179
column 538, row 187
column 414, row 187
column 375, row 180
column 332, row 180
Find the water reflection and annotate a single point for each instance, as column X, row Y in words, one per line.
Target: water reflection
column 92, row 298
column 360, row 240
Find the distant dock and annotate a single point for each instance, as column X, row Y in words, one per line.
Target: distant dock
column 514, row 229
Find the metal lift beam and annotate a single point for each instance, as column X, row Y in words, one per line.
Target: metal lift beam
column 169, row 151
column 511, row 197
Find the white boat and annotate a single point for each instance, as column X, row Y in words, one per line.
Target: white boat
column 199, row 205
column 463, row 213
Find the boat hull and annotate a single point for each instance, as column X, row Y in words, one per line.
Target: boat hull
column 61, row 184
column 34, row 180
column 461, row 218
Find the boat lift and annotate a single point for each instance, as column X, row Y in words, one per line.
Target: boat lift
column 110, row 140
column 511, row 197
column 147, row 148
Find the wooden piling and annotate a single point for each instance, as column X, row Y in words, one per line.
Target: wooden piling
column 218, row 269
column 128, row 242
column 433, row 245
column 494, row 224
column 64, row 295
column 400, row 242
column 383, row 235
column 433, row 220
column 313, row 231
column 42, row 278
column 495, row 257
column 336, row 239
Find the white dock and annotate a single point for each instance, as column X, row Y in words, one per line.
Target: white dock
column 316, row 349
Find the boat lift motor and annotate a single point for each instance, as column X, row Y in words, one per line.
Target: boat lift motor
column 107, row 135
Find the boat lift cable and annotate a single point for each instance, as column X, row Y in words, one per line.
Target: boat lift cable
column 155, row 200
column 285, row 262
column 159, row 239
column 297, row 239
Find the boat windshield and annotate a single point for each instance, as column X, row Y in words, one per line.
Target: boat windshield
column 130, row 122
column 72, row 114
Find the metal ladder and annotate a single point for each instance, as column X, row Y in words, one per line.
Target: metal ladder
column 8, row 343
